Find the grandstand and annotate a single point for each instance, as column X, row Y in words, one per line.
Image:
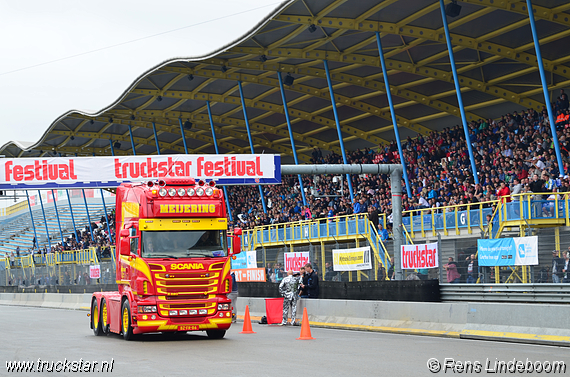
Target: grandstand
column 17, row 229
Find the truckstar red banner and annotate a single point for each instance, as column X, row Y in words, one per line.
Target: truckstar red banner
column 105, row 171
column 419, row 256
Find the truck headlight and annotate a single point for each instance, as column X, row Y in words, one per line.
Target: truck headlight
column 200, row 191
column 223, row 306
column 147, row 309
column 183, row 312
column 162, row 192
column 173, row 312
column 209, row 191
column 203, row 311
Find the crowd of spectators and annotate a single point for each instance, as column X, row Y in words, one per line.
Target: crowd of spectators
column 513, row 154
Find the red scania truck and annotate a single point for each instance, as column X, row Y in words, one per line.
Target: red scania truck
column 173, row 261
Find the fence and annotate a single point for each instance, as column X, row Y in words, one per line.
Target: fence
column 60, row 268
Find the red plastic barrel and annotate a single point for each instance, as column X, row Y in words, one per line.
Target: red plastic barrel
column 274, row 310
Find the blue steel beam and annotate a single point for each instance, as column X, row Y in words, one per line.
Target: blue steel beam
column 217, row 152
column 545, row 89
column 88, row 217
column 72, row 217
column 333, row 103
column 286, row 111
column 57, row 215
column 112, row 147
column 45, row 220
column 183, row 136
column 33, row 222
column 106, row 217
column 249, row 137
column 458, row 91
column 156, row 138
column 393, row 114
column 132, row 140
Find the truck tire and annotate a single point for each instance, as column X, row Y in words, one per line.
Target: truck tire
column 126, row 321
column 95, row 319
column 216, row 334
column 104, row 315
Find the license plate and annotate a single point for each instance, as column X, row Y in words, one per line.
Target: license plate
column 188, row 328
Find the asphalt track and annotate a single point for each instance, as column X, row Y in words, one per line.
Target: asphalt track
column 29, row 334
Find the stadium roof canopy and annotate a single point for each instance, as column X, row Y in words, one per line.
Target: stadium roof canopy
column 493, row 48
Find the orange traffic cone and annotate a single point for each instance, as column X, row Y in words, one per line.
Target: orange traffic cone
column 247, row 323
column 305, row 328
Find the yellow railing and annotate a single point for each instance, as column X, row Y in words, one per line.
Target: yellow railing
column 14, row 208
column 308, row 229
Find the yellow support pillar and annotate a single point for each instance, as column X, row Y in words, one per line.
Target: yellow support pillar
column 557, row 238
column 323, row 258
column 497, row 275
column 358, row 278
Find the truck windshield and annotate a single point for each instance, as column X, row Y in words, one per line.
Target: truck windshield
column 183, row 244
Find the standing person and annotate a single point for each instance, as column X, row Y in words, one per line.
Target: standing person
column 373, row 216
column 268, row 272
column 233, row 295
column 288, row 289
column 557, row 266
column 330, row 274
column 452, row 274
column 311, row 282
column 383, row 233
column 302, row 291
column 472, row 269
column 279, row 272
column 566, row 269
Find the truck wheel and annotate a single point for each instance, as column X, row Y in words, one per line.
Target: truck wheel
column 95, row 319
column 104, row 317
column 126, row 320
column 216, row 334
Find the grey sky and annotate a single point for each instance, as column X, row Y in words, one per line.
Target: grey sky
column 35, row 32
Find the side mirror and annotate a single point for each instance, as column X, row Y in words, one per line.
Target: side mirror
column 125, row 248
column 237, row 232
column 236, row 245
column 124, row 233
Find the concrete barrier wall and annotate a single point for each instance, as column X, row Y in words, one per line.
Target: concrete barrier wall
column 528, row 323
column 75, row 301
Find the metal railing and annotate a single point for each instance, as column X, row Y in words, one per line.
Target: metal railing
column 60, row 268
column 531, row 293
column 522, row 207
column 333, row 227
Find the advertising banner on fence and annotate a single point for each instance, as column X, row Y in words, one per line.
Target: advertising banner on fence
column 250, row 274
column 352, row 259
column 109, row 171
column 419, row 256
column 518, row 251
column 94, row 272
column 294, row 261
column 245, row 259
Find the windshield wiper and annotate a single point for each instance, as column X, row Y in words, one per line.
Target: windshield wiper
column 162, row 256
